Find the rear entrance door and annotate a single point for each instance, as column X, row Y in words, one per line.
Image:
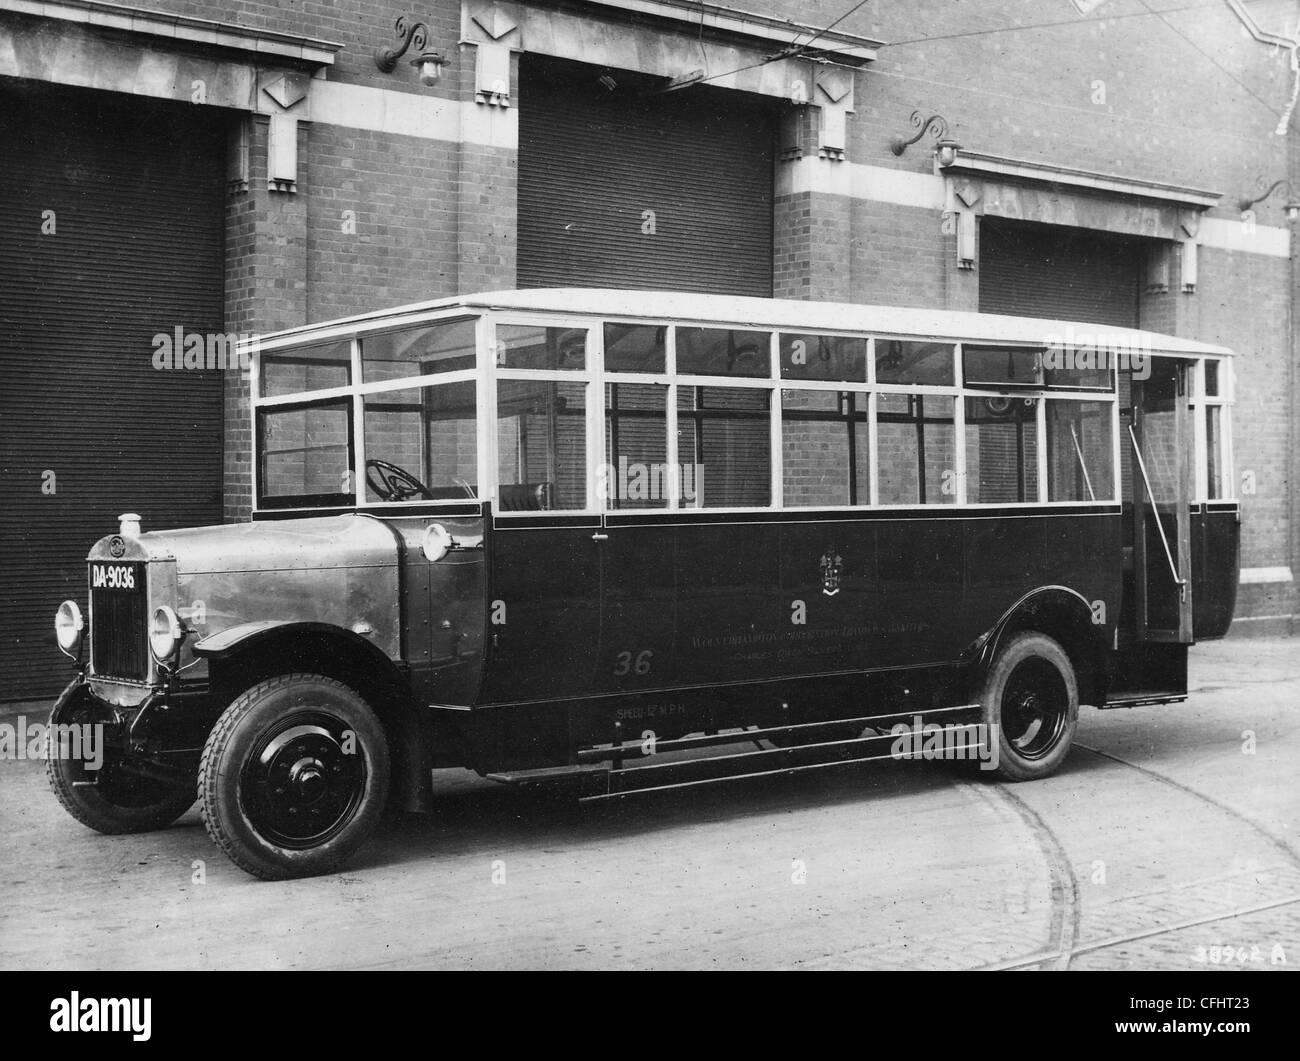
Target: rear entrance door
column 1159, row 448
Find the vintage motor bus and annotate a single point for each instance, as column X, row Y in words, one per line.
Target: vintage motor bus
column 638, row 541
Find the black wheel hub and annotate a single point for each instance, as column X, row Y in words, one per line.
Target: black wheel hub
column 304, row 780
column 1035, row 707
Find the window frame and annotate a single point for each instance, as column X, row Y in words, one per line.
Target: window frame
column 589, row 376
column 357, row 391
column 265, row 502
column 1200, row 403
column 486, row 375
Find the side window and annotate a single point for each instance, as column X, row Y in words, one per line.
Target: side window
column 1214, row 445
column 1001, row 366
column 917, row 453
column 539, row 347
column 541, row 445
column 428, row 432
column 421, row 351
column 723, row 352
column 828, row 357
column 825, row 448
column 305, row 454
column 306, row 368
column 636, row 473
column 635, row 347
column 1001, row 449
column 912, row 361
column 1079, row 458
column 725, row 433
column 1216, row 442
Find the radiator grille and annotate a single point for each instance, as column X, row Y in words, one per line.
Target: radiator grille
column 118, row 633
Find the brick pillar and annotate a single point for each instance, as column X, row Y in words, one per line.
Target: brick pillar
column 266, row 289
column 812, row 220
column 791, row 246
column 487, row 218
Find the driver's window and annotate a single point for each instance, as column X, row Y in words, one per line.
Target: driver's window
column 421, row 444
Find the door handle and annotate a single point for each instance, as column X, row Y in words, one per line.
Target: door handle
column 598, row 537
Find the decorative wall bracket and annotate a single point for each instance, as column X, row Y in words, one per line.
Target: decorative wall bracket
column 936, row 125
column 1292, row 200
column 834, row 96
column 286, row 92
column 493, row 29
column 965, row 201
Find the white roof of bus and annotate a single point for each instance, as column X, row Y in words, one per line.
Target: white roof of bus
column 790, row 314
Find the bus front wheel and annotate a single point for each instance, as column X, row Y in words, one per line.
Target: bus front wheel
column 294, row 776
column 1030, row 706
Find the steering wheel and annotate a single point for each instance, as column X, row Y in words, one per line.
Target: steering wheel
column 392, row 483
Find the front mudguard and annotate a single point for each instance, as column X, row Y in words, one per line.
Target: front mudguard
column 77, row 700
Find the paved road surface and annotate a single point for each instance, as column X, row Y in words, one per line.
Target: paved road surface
column 1159, row 844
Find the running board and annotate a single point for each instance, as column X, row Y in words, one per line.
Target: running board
column 617, row 770
column 1142, row 700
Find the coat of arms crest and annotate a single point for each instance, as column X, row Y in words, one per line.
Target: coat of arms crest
column 831, row 565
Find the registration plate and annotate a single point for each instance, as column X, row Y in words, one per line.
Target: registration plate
column 125, row 577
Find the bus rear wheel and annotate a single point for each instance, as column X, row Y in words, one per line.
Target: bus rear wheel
column 1030, row 706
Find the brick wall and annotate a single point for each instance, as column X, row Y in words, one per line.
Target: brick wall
column 811, row 237
column 381, row 220
column 1130, row 95
column 1243, row 303
column 361, row 26
column 898, row 256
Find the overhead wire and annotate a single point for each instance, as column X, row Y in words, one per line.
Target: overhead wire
column 796, row 49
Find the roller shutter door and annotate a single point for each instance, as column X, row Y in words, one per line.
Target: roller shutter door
column 1066, row 273
column 88, row 427
column 594, row 159
column 1030, row 270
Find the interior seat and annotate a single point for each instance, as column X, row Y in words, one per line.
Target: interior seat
column 524, row 497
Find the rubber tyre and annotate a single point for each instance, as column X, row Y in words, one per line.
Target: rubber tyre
column 118, row 802
column 241, row 811
column 1030, row 668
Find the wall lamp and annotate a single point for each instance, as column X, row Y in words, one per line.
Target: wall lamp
column 948, row 148
column 1292, row 200
column 412, row 35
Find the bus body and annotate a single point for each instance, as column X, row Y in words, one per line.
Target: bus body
column 597, row 535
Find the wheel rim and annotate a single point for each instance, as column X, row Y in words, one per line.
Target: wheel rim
column 300, row 786
column 1035, row 708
